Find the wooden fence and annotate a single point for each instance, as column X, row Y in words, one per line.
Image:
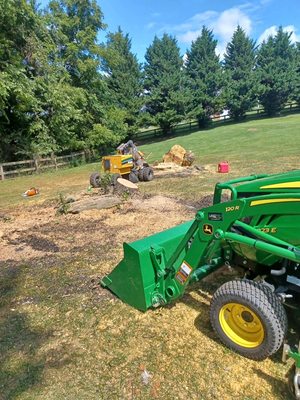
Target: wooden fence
column 181, row 128
column 13, row 169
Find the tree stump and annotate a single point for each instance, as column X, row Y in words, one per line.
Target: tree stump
column 125, row 186
column 177, row 154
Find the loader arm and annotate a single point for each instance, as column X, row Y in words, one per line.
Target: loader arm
column 156, row 270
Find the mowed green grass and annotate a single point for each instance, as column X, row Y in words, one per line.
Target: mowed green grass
column 268, row 145
column 63, row 338
column 263, row 141
column 260, row 146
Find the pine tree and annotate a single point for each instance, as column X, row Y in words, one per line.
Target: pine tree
column 163, row 82
column 277, row 71
column 296, row 91
column 204, row 77
column 241, row 81
column 123, row 73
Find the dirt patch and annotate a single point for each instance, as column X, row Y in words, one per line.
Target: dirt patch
column 38, row 231
column 58, row 320
column 211, row 168
column 171, row 169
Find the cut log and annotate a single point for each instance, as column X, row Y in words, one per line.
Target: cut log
column 94, row 203
column 125, row 186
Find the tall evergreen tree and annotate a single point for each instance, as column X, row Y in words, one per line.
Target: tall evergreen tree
column 163, row 82
column 241, row 81
column 204, row 74
column 296, row 92
column 276, row 67
column 124, row 76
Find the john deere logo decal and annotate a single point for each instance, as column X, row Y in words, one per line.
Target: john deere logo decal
column 208, row 229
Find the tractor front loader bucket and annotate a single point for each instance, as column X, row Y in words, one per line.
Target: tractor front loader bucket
column 136, row 278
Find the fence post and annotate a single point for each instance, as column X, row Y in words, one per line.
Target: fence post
column 54, row 160
column 2, row 172
column 36, row 163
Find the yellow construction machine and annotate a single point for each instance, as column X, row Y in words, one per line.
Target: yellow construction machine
column 128, row 163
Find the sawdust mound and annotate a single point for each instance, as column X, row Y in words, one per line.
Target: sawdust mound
column 177, row 154
column 159, row 203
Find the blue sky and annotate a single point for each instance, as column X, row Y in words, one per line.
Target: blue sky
column 143, row 19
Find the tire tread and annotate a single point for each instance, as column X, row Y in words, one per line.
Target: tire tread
column 263, row 299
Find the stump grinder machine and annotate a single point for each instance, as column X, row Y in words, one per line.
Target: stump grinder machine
column 256, row 231
column 128, row 163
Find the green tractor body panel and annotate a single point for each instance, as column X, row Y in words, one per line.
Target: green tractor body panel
column 134, row 279
column 259, row 225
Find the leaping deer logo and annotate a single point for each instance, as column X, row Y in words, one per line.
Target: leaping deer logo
column 208, row 229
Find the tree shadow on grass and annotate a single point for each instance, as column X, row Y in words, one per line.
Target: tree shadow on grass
column 21, row 362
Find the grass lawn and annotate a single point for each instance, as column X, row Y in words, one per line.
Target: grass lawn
column 261, row 146
column 265, row 142
column 62, row 337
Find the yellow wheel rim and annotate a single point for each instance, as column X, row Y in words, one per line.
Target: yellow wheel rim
column 241, row 325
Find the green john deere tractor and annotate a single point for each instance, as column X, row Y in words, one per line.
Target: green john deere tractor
column 257, row 230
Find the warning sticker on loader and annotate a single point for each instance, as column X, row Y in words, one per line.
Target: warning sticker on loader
column 183, row 273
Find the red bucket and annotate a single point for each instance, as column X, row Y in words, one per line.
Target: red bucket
column 223, row 167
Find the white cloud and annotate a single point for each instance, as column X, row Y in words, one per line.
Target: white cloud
column 222, row 23
column 292, row 29
column 272, row 30
column 189, row 36
column 203, row 17
column 193, row 23
column 150, row 25
column 227, row 22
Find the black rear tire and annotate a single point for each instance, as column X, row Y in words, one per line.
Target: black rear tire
column 140, row 175
column 248, row 318
column 147, row 174
column 133, row 177
column 95, row 180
